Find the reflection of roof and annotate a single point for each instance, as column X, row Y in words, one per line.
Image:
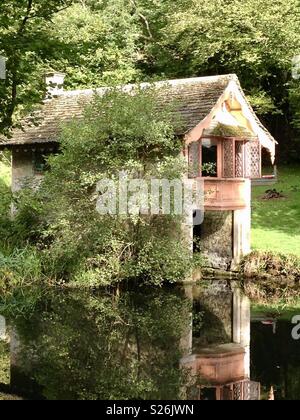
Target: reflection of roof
column 195, row 98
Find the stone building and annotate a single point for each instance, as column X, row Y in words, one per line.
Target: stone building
column 223, row 142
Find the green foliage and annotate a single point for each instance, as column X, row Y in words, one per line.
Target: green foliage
column 96, row 44
column 90, row 346
column 100, row 43
column 229, row 131
column 4, row 186
column 5, row 199
column 107, row 43
column 25, row 42
column 257, row 39
column 75, row 242
column 209, row 169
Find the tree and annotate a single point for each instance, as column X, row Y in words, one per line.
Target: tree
column 25, row 44
column 120, row 132
column 91, row 346
column 100, row 43
column 97, row 44
column 256, row 39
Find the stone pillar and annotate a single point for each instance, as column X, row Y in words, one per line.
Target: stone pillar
column 186, row 342
column 246, row 331
column 241, row 317
column 242, row 228
column 242, row 324
column 217, row 239
column 236, row 316
column 187, row 230
column 15, row 350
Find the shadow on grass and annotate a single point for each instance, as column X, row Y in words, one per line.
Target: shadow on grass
column 283, row 214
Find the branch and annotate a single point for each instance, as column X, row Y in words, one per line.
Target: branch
column 14, row 79
column 26, row 18
column 143, row 19
column 50, row 13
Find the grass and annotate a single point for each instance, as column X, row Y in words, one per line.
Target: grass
column 5, row 179
column 5, row 175
column 275, row 223
column 279, row 310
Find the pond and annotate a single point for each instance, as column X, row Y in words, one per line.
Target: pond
column 189, row 342
column 275, row 357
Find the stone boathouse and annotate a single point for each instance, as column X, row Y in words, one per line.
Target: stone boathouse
column 223, row 142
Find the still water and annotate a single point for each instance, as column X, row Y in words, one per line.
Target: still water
column 275, row 357
column 195, row 342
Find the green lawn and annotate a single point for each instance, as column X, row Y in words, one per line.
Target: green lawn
column 4, row 186
column 281, row 311
column 276, row 223
column 5, row 173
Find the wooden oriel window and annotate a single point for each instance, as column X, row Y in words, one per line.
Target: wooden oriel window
column 205, row 158
column 224, row 158
column 209, row 157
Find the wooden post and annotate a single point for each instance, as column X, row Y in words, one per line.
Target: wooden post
column 220, row 160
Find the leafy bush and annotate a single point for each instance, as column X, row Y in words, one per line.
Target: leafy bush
column 75, row 243
column 5, row 198
column 270, row 263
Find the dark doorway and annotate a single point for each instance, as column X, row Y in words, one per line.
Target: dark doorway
column 197, row 231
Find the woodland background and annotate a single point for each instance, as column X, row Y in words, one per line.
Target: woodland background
column 101, row 42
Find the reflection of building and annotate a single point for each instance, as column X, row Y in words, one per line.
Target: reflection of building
column 219, row 360
column 214, row 339
column 223, row 143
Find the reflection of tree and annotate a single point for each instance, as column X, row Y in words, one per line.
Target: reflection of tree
column 87, row 346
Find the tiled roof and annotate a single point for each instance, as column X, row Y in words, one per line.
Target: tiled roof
column 195, row 97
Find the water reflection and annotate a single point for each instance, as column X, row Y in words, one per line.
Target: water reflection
column 220, row 356
column 275, row 357
column 175, row 343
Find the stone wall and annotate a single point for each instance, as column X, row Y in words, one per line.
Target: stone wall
column 217, row 238
column 22, row 168
column 213, row 301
